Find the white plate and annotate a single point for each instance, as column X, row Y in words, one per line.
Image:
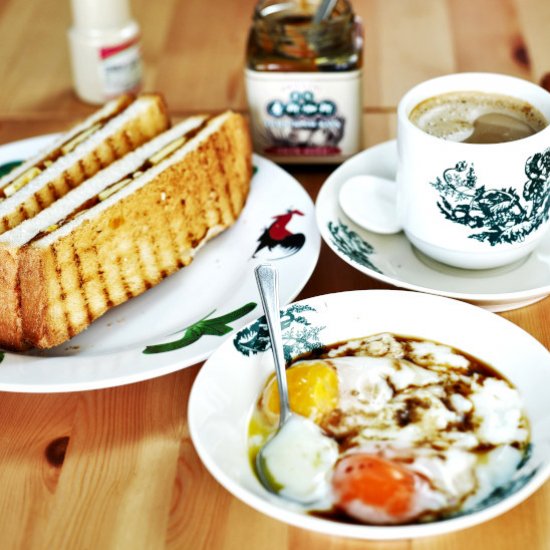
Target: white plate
column 230, row 382
column 220, row 281
column 392, row 259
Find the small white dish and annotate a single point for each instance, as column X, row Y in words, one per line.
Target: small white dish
column 196, row 307
column 392, row 259
column 229, row 383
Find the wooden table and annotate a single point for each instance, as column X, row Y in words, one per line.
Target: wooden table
column 115, row 468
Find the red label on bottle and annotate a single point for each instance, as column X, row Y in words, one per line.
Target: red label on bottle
column 113, row 50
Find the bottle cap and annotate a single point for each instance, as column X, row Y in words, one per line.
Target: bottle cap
column 100, row 14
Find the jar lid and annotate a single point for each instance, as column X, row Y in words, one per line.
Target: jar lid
column 100, row 14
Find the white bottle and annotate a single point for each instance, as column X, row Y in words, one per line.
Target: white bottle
column 105, row 50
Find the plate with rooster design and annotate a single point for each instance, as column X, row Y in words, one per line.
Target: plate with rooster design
column 182, row 320
column 392, row 259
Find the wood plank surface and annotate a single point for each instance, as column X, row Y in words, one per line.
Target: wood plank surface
column 116, row 468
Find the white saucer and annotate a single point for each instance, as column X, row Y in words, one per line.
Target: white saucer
column 392, row 259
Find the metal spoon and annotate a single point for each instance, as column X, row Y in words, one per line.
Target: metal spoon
column 298, row 441
column 323, row 11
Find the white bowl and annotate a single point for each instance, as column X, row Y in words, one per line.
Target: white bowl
column 229, row 383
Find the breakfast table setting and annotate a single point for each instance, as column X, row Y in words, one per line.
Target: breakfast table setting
column 133, row 433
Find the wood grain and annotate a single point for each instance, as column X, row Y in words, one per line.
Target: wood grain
column 116, row 468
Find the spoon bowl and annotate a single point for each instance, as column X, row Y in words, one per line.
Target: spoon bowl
column 370, row 201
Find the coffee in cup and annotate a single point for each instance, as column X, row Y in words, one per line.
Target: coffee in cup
column 477, row 117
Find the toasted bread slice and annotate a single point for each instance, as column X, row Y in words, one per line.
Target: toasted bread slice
column 117, row 128
column 134, row 238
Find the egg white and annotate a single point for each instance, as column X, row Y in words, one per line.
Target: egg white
column 438, row 443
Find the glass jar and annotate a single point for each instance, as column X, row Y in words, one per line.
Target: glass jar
column 303, row 82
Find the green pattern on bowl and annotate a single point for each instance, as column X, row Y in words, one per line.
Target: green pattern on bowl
column 299, row 335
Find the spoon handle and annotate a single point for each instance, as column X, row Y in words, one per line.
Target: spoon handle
column 268, row 285
column 323, row 11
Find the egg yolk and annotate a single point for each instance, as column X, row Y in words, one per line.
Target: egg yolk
column 375, row 482
column 312, row 391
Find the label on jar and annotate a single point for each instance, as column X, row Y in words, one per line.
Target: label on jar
column 305, row 117
column 121, row 67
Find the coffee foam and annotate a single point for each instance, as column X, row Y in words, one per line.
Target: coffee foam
column 451, row 116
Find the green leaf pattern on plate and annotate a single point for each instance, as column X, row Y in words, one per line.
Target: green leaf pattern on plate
column 216, row 326
column 299, row 335
column 1, row 356
column 7, row 167
column 352, row 245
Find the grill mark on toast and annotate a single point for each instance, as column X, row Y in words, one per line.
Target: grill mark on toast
column 195, row 241
column 158, row 262
column 127, row 139
column 81, row 281
column 214, row 201
column 97, row 159
column 226, row 187
column 122, row 277
column 101, row 277
column 172, row 237
column 111, row 144
column 62, row 292
column 141, row 267
column 23, row 214
column 83, row 171
column 40, row 200
column 227, row 182
column 143, row 137
column 53, row 191
column 215, row 205
column 68, row 181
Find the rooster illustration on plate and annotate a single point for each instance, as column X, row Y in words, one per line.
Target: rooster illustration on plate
column 277, row 241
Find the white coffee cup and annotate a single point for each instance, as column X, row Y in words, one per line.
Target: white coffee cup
column 470, row 205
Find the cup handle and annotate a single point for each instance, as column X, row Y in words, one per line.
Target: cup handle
column 371, row 202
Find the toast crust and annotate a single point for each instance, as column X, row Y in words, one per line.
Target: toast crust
column 138, row 241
